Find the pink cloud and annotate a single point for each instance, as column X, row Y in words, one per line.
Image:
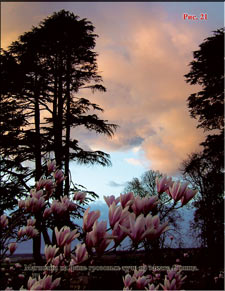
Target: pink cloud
column 142, row 59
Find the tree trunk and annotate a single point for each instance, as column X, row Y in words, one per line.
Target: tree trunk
column 67, row 146
column 37, row 239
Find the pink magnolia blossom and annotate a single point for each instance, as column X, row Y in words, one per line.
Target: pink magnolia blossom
column 51, row 165
column 58, row 208
column 30, row 231
column 65, row 235
column 136, row 230
column 31, row 222
column 139, row 273
column 118, row 233
column 141, row 282
column 98, row 238
column 188, row 195
column 37, row 194
column 47, row 212
column 81, row 254
column 128, row 280
column 30, row 282
column 68, row 203
column 12, row 247
column 21, row 203
column 59, row 176
column 163, row 184
column 43, row 284
column 152, row 287
column 155, row 229
column 98, row 232
column 50, row 252
column 21, row 232
column 21, row 276
column 102, row 246
column 59, row 260
column 89, row 219
column 67, row 249
column 79, row 196
column 49, row 187
column 110, row 199
column 40, row 184
column 34, row 204
column 173, row 280
column 144, row 205
column 116, row 213
column 3, row 221
column 177, row 190
column 126, row 199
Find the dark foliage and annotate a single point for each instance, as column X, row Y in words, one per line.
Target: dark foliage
column 205, row 170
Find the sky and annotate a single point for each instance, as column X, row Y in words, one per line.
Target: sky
column 144, row 51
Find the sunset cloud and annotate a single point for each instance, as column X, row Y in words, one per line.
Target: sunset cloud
column 143, row 56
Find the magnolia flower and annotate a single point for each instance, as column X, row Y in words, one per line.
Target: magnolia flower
column 59, row 176
column 58, row 207
column 173, row 280
column 144, row 205
column 141, row 282
column 177, row 190
column 98, row 237
column 188, row 195
column 47, row 212
column 37, row 194
column 110, row 199
column 79, row 196
column 43, row 284
column 128, row 280
column 58, row 260
column 163, row 184
column 31, row 222
column 69, row 205
column 30, row 231
column 34, row 204
column 12, row 247
column 81, row 254
column 98, row 232
column 102, row 246
column 21, row 203
column 49, row 187
column 116, row 213
column 21, row 232
column 67, row 249
column 51, row 165
column 154, row 227
column 118, row 233
column 65, row 236
column 3, row 221
column 126, row 199
column 136, row 231
column 50, row 252
column 89, row 219
column 139, row 273
column 152, row 287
